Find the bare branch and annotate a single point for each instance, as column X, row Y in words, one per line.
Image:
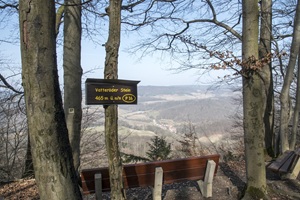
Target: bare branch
column 7, row 85
column 7, row 5
column 74, row 4
column 129, row 7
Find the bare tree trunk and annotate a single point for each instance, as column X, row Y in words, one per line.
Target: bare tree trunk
column 253, row 106
column 52, row 157
column 285, row 111
column 72, row 75
column 111, row 112
column 28, row 171
column 264, row 52
column 296, row 111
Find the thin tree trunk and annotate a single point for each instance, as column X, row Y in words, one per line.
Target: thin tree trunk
column 28, row 171
column 264, row 52
column 52, row 157
column 296, row 111
column 111, row 112
column 285, row 110
column 72, row 75
column 253, row 106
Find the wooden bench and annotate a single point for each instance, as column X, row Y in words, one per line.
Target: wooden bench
column 155, row 174
column 287, row 165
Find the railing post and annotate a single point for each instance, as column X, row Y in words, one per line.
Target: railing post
column 158, row 182
column 98, row 186
column 206, row 185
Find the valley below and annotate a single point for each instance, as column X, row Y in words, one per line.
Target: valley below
column 172, row 112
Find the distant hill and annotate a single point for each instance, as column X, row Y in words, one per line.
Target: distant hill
column 180, row 103
column 173, row 106
column 172, row 111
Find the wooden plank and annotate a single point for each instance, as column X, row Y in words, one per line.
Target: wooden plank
column 143, row 180
column 149, row 167
column 296, row 169
column 142, row 174
column 286, row 167
column 279, row 162
column 88, row 181
column 297, row 155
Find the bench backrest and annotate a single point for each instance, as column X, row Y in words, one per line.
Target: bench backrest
column 142, row 174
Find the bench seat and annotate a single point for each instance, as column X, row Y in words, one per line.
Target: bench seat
column 287, row 164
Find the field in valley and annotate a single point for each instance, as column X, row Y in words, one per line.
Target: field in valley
column 171, row 112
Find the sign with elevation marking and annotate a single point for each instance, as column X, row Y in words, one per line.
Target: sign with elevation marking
column 110, row 91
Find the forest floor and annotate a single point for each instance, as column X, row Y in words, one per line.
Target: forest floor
column 228, row 185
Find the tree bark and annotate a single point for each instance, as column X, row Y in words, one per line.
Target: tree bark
column 52, row 157
column 296, row 111
column 285, row 111
column 111, row 112
column 253, row 106
column 72, row 75
column 264, row 52
column 28, row 170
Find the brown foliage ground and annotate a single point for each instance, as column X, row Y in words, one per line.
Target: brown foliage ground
column 228, row 184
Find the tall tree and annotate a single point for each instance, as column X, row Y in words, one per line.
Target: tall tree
column 296, row 111
column 285, row 102
column 253, row 104
column 51, row 151
column 111, row 112
column 73, row 74
column 29, row 171
column 265, row 53
column 175, row 32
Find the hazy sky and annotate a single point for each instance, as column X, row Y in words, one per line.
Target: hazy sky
column 151, row 70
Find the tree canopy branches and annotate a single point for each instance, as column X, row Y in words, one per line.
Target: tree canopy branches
column 8, row 86
column 8, row 4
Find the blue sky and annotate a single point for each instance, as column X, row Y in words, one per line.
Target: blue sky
column 150, row 70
